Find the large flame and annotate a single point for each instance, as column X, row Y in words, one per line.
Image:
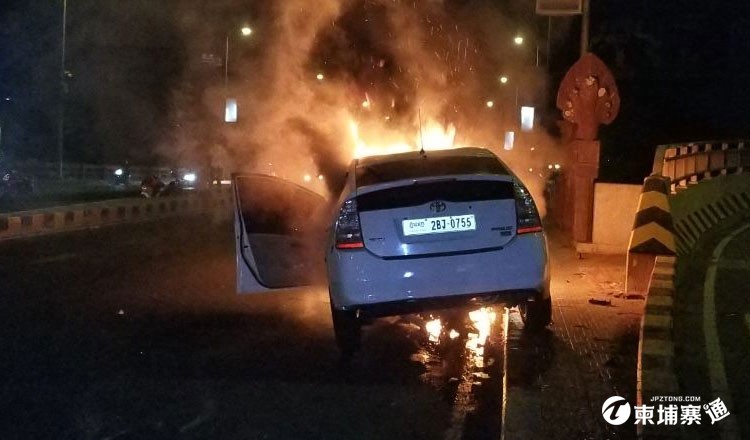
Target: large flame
column 431, row 136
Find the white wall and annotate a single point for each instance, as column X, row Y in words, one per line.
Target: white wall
column 614, row 212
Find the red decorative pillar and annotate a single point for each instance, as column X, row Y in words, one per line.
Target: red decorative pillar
column 587, row 97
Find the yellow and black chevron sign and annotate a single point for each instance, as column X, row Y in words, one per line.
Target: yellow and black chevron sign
column 653, row 231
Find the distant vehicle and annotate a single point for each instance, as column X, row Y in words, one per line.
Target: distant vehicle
column 14, row 184
column 121, row 176
column 410, row 232
column 188, row 178
column 152, row 186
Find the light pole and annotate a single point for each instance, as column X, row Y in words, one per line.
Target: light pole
column 61, row 118
column 585, row 27
column 518, row 40
column 504, row 81
column 246, row 31
column 507, row 120
column 230, row 105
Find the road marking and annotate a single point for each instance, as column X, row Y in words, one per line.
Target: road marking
column 735, row 264
column 717, row 372
column 503, row 414
column 55, row 258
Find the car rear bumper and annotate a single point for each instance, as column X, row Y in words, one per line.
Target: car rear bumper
column 408, row 306
column 360, row 280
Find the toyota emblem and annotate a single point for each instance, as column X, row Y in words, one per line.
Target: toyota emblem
column 437, row 206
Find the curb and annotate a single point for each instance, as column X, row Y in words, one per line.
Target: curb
column 655, row 371
column 97, row 214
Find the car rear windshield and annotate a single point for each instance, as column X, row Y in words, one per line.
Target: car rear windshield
column 418, row 167
column 451, row 191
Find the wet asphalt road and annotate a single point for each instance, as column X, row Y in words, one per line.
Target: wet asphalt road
column 722, row 374
column 135, row 332
column 733, row 323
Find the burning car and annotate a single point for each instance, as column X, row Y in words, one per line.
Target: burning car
column 410, row 232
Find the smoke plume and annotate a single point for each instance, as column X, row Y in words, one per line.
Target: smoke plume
column 321, row 77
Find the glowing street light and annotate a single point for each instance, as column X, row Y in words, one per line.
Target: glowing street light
column 504, row 80
column 320, row 77
column 61, row 115
column 246, row 32
column 518, row 40
column 230, row 105
column 490, row 104
column 307, row 178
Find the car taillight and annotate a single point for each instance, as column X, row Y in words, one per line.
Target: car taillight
column 348, row 231
column 526, row 212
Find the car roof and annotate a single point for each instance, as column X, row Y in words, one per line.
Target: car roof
column 415, row 165
column 452, row 152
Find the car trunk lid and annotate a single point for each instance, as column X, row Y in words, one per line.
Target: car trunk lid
column 438, row 216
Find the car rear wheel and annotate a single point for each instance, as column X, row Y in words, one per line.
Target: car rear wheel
column 536, row 314
column 348, row 331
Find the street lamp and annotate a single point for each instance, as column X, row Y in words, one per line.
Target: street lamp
column 230, row 105
column 504, row 81
column 518, row 40
column 246, row 31
column 61, row 116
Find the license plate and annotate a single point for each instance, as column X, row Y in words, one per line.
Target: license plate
column 439, row 225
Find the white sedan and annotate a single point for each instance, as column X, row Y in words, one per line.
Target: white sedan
column 410, row 232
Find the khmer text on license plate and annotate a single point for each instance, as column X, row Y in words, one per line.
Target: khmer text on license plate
column 438, row 225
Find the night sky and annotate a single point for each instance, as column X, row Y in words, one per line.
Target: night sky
column 681, row 66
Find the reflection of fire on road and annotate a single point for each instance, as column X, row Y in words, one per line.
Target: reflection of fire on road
column 482, row 321
column 470, row 365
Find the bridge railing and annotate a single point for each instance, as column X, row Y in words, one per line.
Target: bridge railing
column 110, row 212
column 695, row 161
column 81, row 171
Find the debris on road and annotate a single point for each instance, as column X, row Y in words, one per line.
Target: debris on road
column 600, row 302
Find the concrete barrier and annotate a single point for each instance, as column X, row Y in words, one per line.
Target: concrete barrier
column 653, row 234
column 93, row 215
column 614, row 211
column 655, row 372
column 702, row 207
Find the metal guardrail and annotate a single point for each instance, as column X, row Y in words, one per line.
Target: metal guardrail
column 83, row 171
column 111, row 212
column 694, row 161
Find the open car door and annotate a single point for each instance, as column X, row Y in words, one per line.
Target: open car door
column 279, row 233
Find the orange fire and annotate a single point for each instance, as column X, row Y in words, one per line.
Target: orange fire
column 432, row 136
